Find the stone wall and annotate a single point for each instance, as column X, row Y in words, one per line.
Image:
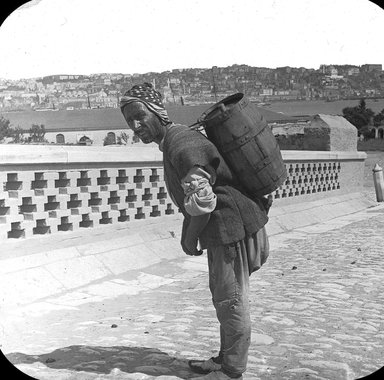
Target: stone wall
column 320, row 133
column 53, row 189
column 97, row 136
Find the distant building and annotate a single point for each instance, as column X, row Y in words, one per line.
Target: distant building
column 333, row 71
column 353, row 71
column 371, row 67
column 266, row 92
column 83, row 127
column 331, row 92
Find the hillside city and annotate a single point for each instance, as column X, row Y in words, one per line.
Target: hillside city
column 195, row 86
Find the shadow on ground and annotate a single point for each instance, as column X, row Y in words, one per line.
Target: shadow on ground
column 149, row 361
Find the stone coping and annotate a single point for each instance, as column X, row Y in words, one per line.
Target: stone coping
column 45, row 154
column 310, row 155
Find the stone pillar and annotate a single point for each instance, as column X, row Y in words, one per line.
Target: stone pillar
column 378, row 182
column 330, row 133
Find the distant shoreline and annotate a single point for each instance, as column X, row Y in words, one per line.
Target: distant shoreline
column 111, row 118
column 270, row 103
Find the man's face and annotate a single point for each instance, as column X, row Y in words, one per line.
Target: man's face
column 144, row 123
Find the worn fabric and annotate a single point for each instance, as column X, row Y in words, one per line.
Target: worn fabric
column 257, row 250
column 199, row 197
column 229, row 286
column 145, row 92
column 147, row 95
column 236, row 216
column 235, row 235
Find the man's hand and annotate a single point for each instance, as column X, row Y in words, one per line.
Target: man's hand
column 191, row 232
column 189, row 246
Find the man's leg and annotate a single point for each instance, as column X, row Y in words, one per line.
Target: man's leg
column 229, row 284
column 213, row 363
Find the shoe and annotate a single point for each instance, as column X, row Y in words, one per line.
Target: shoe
column 217, row 375
column 205, row 366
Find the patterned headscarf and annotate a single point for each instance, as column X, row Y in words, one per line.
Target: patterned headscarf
column 147, row 95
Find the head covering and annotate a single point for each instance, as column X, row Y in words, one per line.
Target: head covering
column 147, row 95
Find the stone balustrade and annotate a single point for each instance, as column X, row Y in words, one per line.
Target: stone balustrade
column 51, row 189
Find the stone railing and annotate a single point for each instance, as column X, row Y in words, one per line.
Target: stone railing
column 50, row 189
column 313, row 175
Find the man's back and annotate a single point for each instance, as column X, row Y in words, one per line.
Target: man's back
column 236, row 215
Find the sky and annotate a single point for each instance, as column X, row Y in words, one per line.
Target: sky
column 47, row 37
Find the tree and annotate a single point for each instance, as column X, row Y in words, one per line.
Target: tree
column 367, row 112
column 17, row 135
column 135, row 139
column 362, row 105
column 378, row 118
column 360, row 116
column 109, row 140
column 37, row 133
column 123, row 138
column 368, row 133
column 5, row 128
column 355, row 117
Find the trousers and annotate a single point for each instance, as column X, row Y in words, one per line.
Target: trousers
column 229, row 272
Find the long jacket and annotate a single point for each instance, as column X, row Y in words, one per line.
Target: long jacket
column 236, row 215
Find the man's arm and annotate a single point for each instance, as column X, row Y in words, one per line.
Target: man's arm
column 199, row 202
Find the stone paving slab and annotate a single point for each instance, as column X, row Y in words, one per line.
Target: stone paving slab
column 317, row 313
column 53, row 263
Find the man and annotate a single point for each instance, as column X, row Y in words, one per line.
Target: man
column 217, row 215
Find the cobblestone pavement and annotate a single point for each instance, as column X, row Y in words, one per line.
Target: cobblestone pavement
column 317, row 313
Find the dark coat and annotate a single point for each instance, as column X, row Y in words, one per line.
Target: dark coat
column 236, row 216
